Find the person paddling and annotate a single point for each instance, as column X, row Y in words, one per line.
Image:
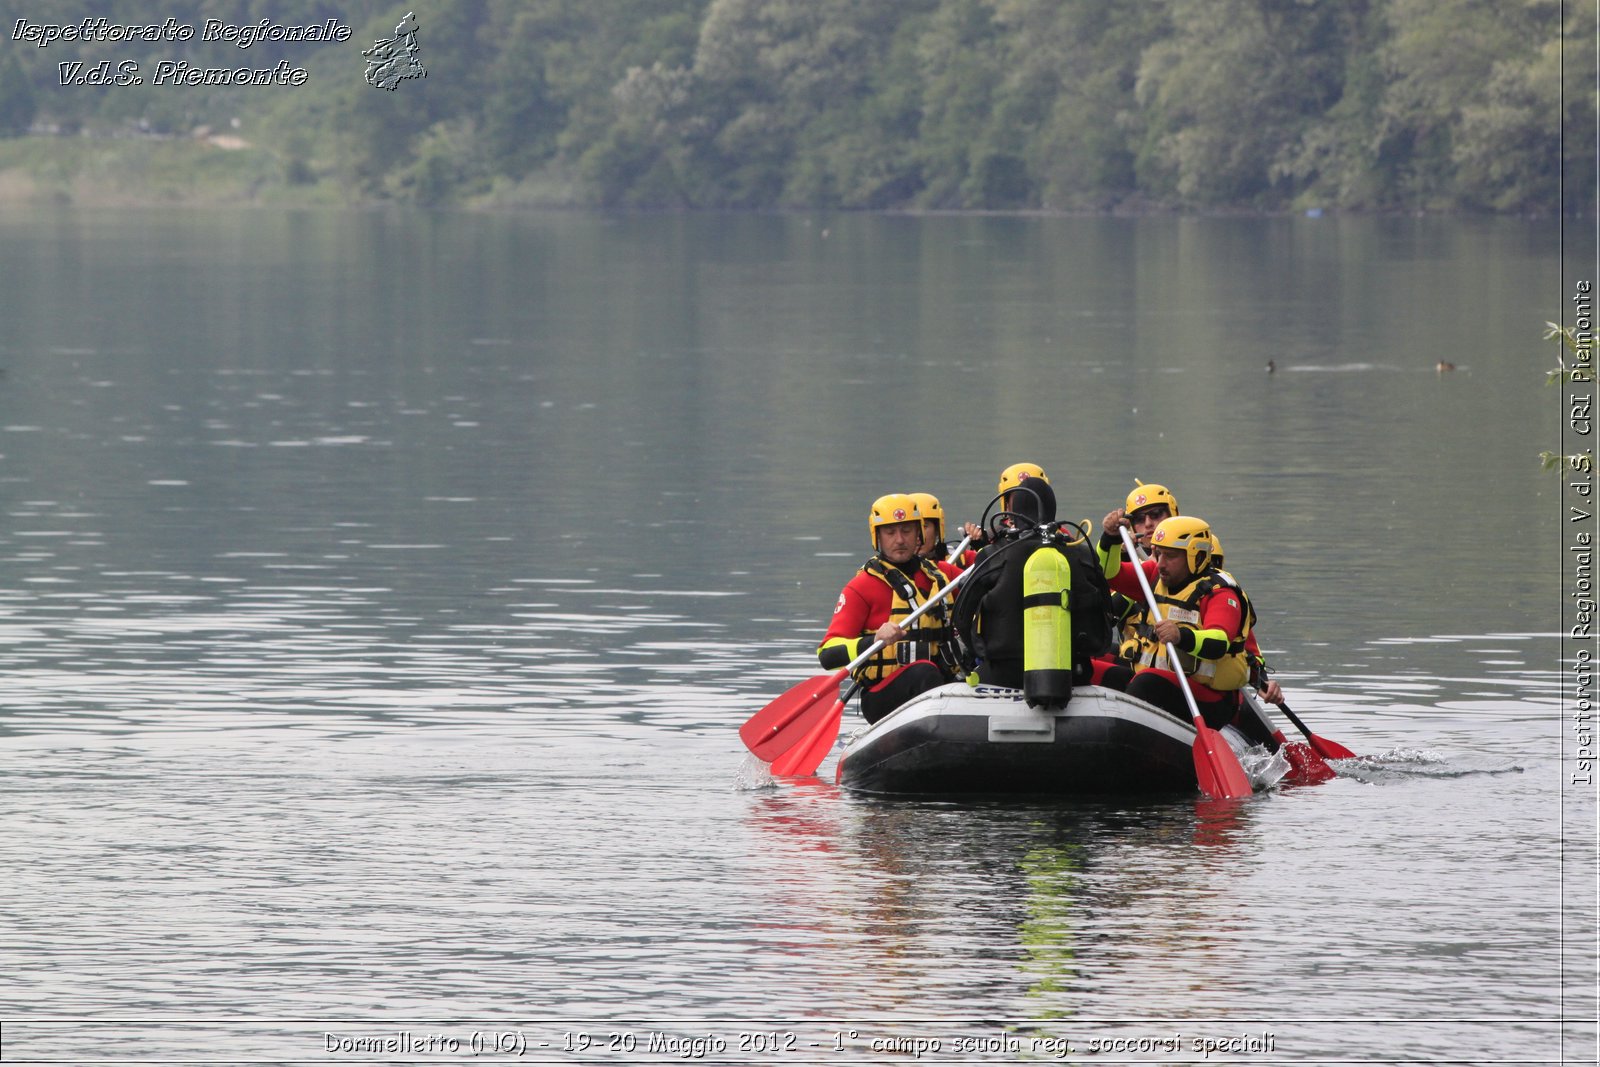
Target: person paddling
column 1147, row 506
column 1207, row 618
column 892, row 584
column 1142, row 512
column 933, row 547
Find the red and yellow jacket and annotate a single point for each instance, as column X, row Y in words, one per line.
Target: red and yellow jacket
column 878, row 593
column 1216, row 620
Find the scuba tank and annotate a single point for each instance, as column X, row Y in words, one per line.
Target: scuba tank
column 1046, row 629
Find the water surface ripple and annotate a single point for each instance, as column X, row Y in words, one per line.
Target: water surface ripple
column 375, row 643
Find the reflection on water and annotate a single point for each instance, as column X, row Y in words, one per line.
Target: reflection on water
column 375, row 641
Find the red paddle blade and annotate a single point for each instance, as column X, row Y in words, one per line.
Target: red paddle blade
column 1329, row 749
column 804, row 759
column 1305, row 766
column 786, row 721
column 1325, row 748
column 1216, row 767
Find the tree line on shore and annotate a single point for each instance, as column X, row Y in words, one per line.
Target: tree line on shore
column 1064, row 105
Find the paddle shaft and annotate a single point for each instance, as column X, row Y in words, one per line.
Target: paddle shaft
column 859, row 660
column 807, row 754
column 1324, row 748
column 1216, row 769
column 1306, row 765
column 788, row 720
column 1155, row 613
column 1321, row 746
column 922, row 610
column 1283, row 706
column 1259, row 704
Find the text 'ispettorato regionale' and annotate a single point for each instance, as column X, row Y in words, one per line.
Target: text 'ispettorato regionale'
column 169, row 72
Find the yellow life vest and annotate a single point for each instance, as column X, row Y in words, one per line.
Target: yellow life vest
column 1127, row 618
column 1224, row 674
column 929, row 634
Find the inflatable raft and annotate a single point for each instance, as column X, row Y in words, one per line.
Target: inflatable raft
column 961, row 739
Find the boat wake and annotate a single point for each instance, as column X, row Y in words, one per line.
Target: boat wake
column 753, row 774
column 1411, row 763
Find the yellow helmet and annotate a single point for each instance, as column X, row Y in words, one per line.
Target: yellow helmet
column 1149, row 496
column 928, row 505
column 1012, row 476
column 890, row 509
column 1190, row 535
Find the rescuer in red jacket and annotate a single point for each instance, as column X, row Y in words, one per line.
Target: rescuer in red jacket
column 1205, row 616
column 888, row 587
column 934, row 549
column 1147, row 506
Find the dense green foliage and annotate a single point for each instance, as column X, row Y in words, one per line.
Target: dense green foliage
column 1574, row 363
column 910, row 104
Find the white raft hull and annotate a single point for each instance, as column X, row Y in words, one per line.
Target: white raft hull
column 960, row 739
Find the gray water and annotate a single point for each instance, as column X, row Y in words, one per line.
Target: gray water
column 382, row 593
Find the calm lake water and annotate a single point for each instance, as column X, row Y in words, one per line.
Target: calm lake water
column 382, row 593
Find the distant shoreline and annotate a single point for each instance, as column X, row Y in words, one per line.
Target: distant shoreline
column 221, row 170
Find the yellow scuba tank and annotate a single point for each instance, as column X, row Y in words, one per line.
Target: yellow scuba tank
column 1046, row 629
